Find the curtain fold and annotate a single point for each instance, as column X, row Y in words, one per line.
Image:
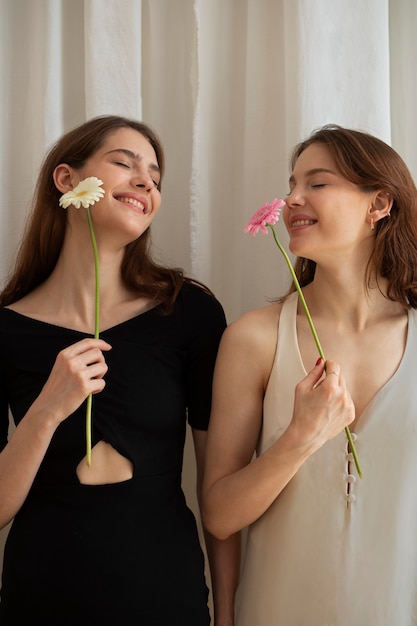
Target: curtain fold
column 403, row 73
column 113, row 58
column 344, row 71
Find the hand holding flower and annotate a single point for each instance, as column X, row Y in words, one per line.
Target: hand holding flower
column 322, row 405
column 78, row 371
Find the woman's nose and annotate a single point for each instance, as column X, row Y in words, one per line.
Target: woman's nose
column 145, row 184
column 144, row 180
column 294, row 197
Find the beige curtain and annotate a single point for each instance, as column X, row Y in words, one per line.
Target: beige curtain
column 230, row 86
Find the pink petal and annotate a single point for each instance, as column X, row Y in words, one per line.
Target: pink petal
column 267, row 214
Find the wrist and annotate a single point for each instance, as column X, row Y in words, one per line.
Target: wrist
column 295, row 444
column 42, row 420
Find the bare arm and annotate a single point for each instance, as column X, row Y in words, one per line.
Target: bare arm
column 77, row 372
column 224, row 556
column 237, row 491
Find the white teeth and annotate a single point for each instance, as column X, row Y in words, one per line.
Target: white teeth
column 302, row 222
column 133, row 202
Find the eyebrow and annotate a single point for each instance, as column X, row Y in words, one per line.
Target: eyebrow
column 312, row 172
column 134, row 156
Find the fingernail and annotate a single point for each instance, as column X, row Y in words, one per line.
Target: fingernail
column 319, row 360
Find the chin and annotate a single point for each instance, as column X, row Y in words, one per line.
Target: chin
column 297, row 250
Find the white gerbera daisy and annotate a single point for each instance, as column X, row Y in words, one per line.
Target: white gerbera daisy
column 86, row 193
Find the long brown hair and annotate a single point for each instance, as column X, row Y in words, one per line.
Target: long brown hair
column 373, row 165
column 45, row 229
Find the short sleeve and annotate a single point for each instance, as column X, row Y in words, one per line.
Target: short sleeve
column 4, row 418
column 4, row 406
column 204, row 325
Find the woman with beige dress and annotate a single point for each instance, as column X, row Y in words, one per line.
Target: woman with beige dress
column 326, row 547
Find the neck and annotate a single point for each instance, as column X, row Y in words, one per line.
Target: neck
column 72, row 284
column 343, row 298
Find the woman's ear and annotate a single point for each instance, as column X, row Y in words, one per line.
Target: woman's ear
column 381, row 205
column 65, row 178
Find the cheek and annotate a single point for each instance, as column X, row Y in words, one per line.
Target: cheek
column 285, row 217
column 156, row 201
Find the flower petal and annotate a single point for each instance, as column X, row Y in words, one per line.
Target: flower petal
column 86, row 193
column 267, row 214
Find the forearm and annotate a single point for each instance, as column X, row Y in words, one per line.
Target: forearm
column 236, row 500
column 21, row 458
column 237, row 491
column 224, row 560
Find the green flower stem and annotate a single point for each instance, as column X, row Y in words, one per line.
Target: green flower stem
column 96, row 331
column 316, row 339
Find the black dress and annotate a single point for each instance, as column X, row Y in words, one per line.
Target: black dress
column 113, row 554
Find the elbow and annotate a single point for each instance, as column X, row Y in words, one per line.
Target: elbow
column 213, row 524
column 5, row 520
column 216, row 515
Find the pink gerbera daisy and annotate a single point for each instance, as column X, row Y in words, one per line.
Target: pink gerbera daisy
column 268, row 214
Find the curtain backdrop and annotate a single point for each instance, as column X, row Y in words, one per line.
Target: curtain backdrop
column 229, row 85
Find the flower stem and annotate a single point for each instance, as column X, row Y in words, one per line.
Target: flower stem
column 96, row 331
column 316, row 339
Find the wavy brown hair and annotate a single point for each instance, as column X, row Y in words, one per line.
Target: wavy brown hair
column 45, row 229
column 373, row 165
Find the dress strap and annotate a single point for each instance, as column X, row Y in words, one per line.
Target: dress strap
column 287, row 329
column 287, row 371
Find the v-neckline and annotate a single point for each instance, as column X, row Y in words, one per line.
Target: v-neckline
column 109, row 329
column 381, row 389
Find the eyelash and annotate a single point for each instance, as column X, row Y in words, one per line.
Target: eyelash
column 127, row 166
column 315, row 186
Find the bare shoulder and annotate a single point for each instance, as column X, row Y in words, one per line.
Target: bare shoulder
column 257, row 326
column 25, row 305
column 249, row 343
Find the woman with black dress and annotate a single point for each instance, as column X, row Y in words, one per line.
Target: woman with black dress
column 111, row 541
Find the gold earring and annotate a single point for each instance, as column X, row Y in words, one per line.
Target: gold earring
column 372, row 224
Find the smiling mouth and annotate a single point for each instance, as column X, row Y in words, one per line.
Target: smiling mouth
column 302, row 223
column 133, row 202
